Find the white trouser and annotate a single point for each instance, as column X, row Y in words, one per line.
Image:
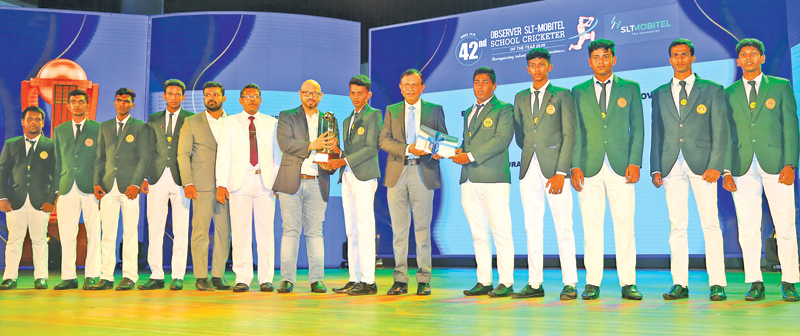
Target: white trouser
column 68, row 210
column 165, row 190
column 359, row 223
column 110, row 206
column 592, row 200
column 26, row 219
column 533, row 190
column 490, row 200
column 253, row 199
column 676, row 186
column 748, row 212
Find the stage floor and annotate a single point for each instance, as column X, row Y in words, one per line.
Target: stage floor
column 25, row 311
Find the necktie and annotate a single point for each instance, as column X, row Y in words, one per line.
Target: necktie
column 536, row 102
column 682, row 96
column 752, row 95
column 411, row 126
column 30, row 152
column 352, row 123
column 169, row 127
column 603, row 98
column 78, row 131
column 478, row 109
column 119, row 130
column 253, row 142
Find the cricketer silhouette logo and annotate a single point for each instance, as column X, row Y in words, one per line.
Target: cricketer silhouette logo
column 586, row 25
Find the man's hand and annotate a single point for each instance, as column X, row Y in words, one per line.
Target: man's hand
column 335, row 146
column 577, row 179
column 145, row 187
column 632, row 174
column 418, row 152
column 222, row 195
column 47, row 207
column 99, row 192
column 336, row 164
column 190, row 191
column 5, row 205
column 460, row 158
column 323, row 141
column 556, row 184
column 787, row 176
column 657, row 181
column 711, row 175
column 132, row 192
column 728, row 183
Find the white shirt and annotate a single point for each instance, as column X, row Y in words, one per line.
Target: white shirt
column 417, row 114
column 28, row 143
column 349, row 129
column 215, row 124
column 174, row 120
column 75, row 127
column 309, row 167
column 245, row 121
column 747, row 86
column 676, row 90
column 599, row 89
column 541, row 90
column 124, row 123
column 474, row 110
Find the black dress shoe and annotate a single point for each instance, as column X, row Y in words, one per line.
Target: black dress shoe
column 149, row 285
column 479, row 289
column 348, row 286
column 285, row 287
column 423, row 288
column 677, row 292
column 88, row 283
column 40, row 284
column 102, row 285
column 67, row 284
column 568, row 293
column 528, row 292
column 591, row 292
column 717, row 293
column 8, row 284
column 363, row 288
column 127, row 284
column 177, row 284
column 501, row 291
column 267, row 287
column 202, row 284
column 756, row 292
column 318, row 287
column 220, row 283
column 789, row 293
column 398, row 288
column 630, row 292
column 240, row 287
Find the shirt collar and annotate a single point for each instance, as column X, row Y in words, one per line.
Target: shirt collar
column 543, row 88
column 80, row 123
column 757, row 79
column 485, row 102
column 35, row 140
column 124, row 121
column 208, row 115
column 689, row 81
column 609, row 80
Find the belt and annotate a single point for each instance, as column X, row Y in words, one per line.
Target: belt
column 257, row 171
column 307, row 177
column 412, row 162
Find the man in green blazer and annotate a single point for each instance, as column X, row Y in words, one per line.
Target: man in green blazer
column 164, row 186
column 608, row 150
column 124, row 153
column 27, row 167
column 486, row 183
column 544, row 123
column 689, row 140
column 360, row 174
column 763, row 156
column 75, row 152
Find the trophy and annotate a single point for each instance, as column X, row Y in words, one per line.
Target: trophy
column 328, row 125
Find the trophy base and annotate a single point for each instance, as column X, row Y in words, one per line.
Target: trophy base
column 325, row 157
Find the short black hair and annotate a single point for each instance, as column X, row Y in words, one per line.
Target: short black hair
column 32, row 109
column 78, row 92
column 214, row 85
column 175, row 82
column 750, row 42
column 602, row 44
column 250, row 86
column 485, row 70
column 361, row 80
column 410, row 72
column 681, row 41
column 538, row 53
column 126, row 91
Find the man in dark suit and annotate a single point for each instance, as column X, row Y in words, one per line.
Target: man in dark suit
column 608, row 149
column 411, row 177
column 763, row 157
column 689, row 139
column 163, row 187
column 360, row 180
column 75, row 152
column 544, row 121
column 124, row 154
column 27, row 167
column 303, row 187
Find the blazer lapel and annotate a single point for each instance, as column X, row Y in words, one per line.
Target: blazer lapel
column 668, row 101
column 206, row 128
column 741, row 97
column 592, row 96
column 613, row 97
column 525, row 108
column 692, row 99
column 761, row 98
column 300, row 118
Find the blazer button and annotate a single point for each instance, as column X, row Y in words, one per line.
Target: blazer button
column 754, row 140
column 681, row 125
column 76, row 156
column 752, row 124
column 605, row 126
column 605, row 141
column 115, row 168
column 681, row 140
column 169, row 147
column 534, row 145
column 76, row 168
column 534, row 131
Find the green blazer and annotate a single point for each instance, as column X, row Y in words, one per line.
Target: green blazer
column 126, row 157
column 487, row 139
column 361, row 143
column 75, row 157
column 549, row 132
column 19, row 182
column 620, row 135
column 700, row 132
column 166, row 150
column 770, row 131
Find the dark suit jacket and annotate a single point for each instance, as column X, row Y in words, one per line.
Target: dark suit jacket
column 17, row 182
column 165, row 153
column 293, row 141
column 700, row 132
column 550, row 132
column 393, row 142
column 126, row 157
column 487, row 139
column 75, row 157
column 361, row 143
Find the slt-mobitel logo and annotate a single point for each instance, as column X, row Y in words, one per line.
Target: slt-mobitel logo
column 639, row 28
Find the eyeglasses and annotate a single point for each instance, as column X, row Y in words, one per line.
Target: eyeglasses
column 315, row 94
column 251, row 97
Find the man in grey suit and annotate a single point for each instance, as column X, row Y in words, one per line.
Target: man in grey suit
column 411, row 178
column 303, row 187
column 197, row 157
